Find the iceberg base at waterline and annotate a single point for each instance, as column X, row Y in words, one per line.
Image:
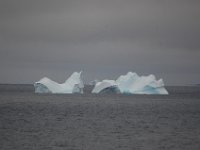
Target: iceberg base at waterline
column 73, row 84
column 131, row 83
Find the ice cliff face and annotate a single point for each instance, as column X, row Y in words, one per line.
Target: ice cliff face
column 73, row 84
column 131, row 83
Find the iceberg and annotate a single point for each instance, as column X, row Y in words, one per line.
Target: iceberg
column 73, row 84
column 131, row 83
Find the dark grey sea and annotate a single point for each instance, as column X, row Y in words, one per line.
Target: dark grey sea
column 30, row 121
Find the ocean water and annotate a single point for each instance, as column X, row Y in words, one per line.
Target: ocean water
column 30, row 121
column 29, row 88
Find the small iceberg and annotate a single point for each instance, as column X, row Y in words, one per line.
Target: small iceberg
column 74, row 84
column 131, row 83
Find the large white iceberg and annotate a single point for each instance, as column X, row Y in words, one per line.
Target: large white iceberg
column 73, row 84
column 131, row 83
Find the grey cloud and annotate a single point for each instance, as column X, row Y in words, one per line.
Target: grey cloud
column 145, row 36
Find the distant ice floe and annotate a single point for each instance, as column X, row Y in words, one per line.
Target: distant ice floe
column 131, row 83
column 73, row 84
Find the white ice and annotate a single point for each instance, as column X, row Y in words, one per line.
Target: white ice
column 131, row 83
column 73, row 84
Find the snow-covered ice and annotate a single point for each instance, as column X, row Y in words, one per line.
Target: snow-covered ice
column 131, row 83
column 73, row 84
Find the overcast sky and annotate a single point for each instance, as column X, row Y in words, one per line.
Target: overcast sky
column 104, row 38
